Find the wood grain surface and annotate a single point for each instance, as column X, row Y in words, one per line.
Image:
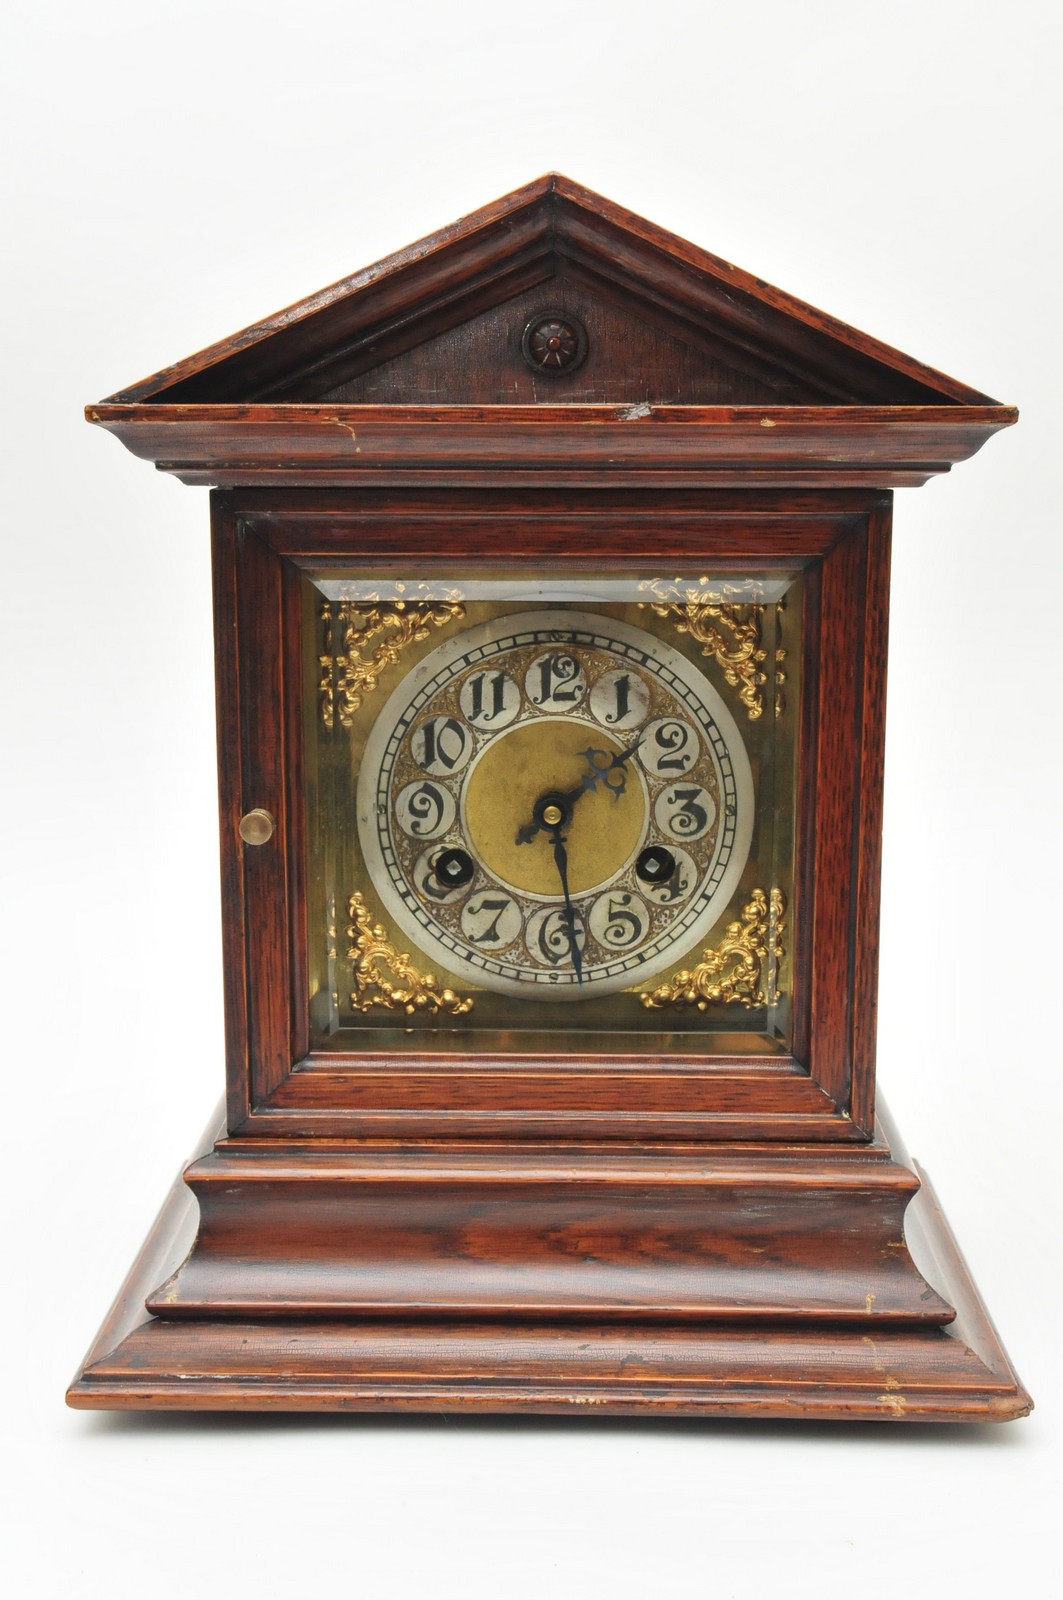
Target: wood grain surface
column 794, row 1369
column 596, row 1089
column 633, row 1227
column 410, row 372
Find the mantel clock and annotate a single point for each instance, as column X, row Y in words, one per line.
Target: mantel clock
column 551, row 578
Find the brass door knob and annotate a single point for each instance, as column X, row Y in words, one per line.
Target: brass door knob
column 256, row 827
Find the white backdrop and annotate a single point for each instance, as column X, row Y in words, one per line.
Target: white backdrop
column 172, row 172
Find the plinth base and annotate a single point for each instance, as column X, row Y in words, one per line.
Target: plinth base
column 783, row 1368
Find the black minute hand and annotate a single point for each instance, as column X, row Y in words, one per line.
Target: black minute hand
column 557, row 839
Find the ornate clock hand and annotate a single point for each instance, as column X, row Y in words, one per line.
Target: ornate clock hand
column 601, row 774
column 563, row 802
column 557, row 839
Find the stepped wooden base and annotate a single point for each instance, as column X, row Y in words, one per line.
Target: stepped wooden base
column 835, row 1359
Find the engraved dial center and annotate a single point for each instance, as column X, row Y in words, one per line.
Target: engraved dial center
column 602, row 831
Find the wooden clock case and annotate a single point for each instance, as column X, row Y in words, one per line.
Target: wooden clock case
column 636, row 1234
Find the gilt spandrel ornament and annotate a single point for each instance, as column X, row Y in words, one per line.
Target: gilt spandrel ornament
column 372, row 638
column 727, row 626
column 741, row 968
column 371, row 952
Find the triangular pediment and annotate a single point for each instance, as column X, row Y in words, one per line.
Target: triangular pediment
column 552, row 337
column 442, row 323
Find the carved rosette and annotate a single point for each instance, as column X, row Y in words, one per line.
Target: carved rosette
column 741, row 970
column 554, row 342
column 728, row 629
column 373, row 635
column 413, row 992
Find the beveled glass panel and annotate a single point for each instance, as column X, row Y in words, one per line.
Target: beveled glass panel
column 551, row 816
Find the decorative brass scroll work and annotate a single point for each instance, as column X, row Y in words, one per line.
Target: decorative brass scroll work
column 742, row 969
column 415, row 991
column 372, row 637
column 326, row 688
column 727, row 629
column 780, row 659
column 332, row 941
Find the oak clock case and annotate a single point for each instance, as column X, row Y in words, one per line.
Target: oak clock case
column 555, row 808
column 551, row 581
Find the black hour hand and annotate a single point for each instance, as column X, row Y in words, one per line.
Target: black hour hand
column 551, row 811
column 555, row 810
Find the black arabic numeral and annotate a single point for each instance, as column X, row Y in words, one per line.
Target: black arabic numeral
column 498, row 696
column 449, row 870
column 435, row 743
column 566, row 670
column 431, row 886
column 623, row 704
column 672, row 736
column 620, row 920
column 554, row 939
column 425, row 807
column 690, row 817
column 674, row 889
column 489, row 935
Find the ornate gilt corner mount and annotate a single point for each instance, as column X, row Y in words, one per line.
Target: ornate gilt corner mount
column 414, row 991
column 372, row 637
column 726, row 619
column 742, row 969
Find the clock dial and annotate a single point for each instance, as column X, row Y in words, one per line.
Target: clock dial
column 555, row 805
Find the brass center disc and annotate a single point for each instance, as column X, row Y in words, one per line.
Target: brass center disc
column 545, row 757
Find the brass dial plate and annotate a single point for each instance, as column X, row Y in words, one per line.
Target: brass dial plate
column 508, row 778
column 505, row 718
